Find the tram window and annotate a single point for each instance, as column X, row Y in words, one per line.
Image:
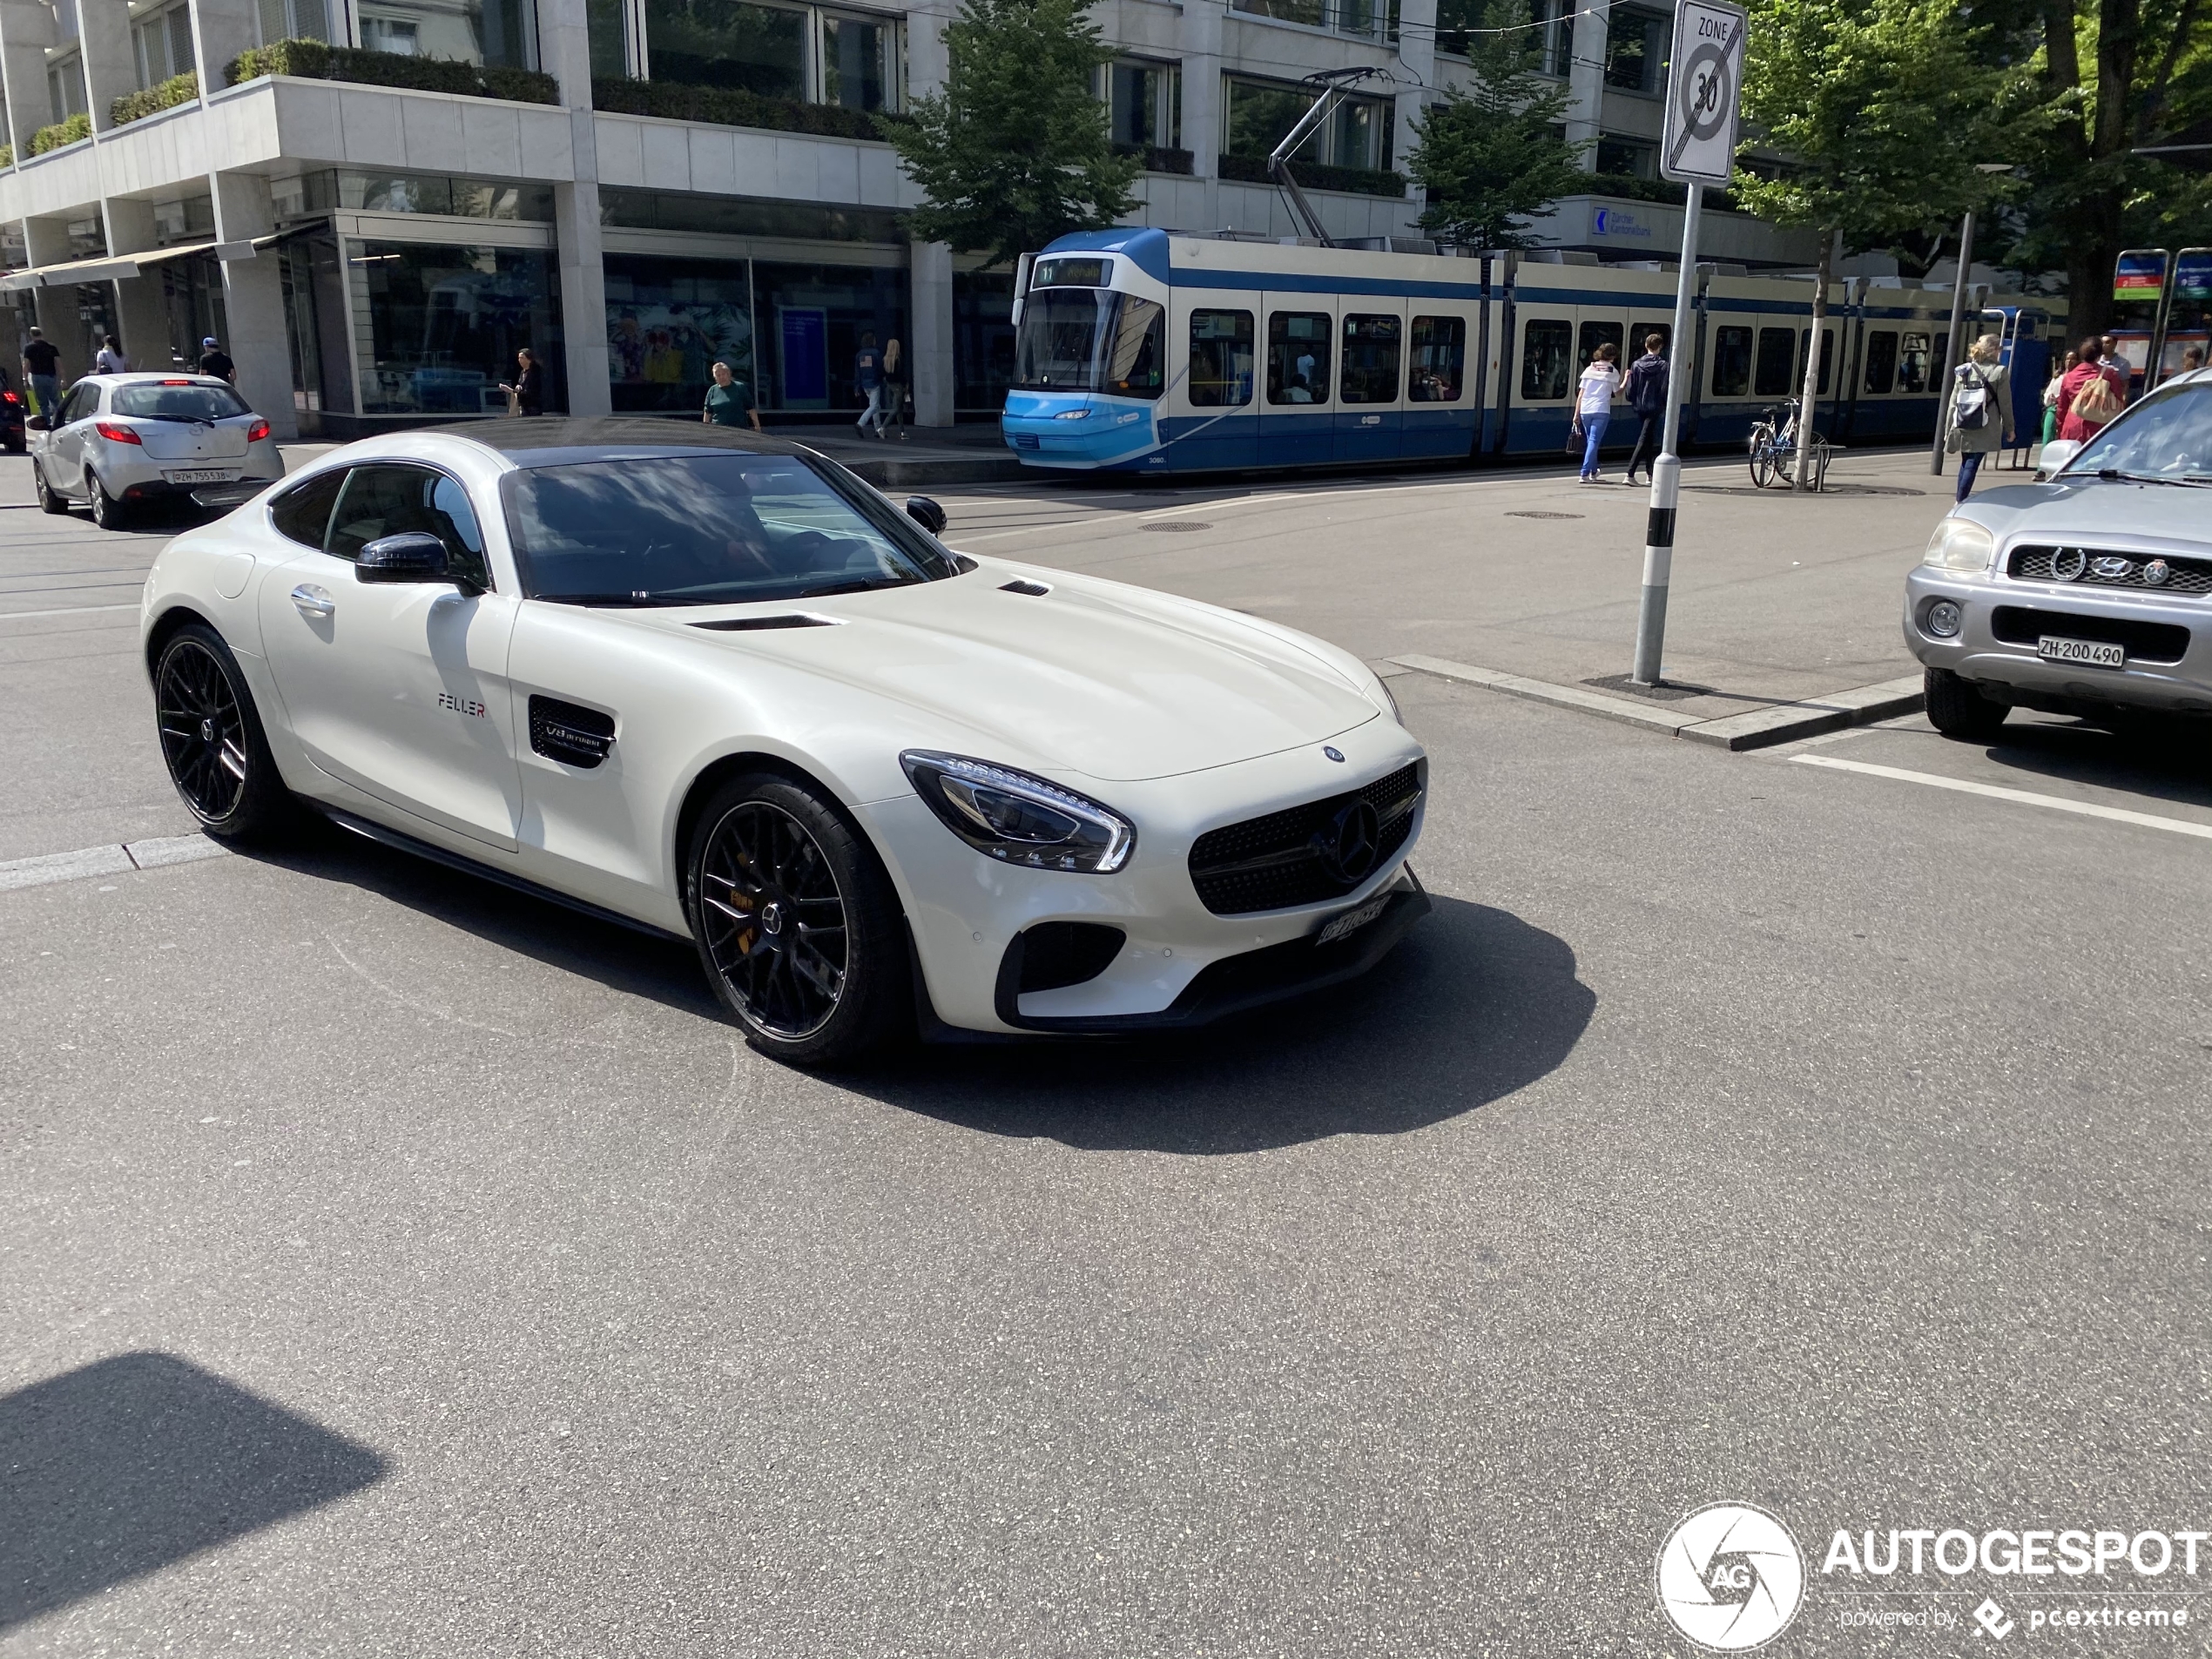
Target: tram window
column 1770, row 377
column 1221, row 359
column 1297, row 356
column 1073, row 340
column 1827, row 351
column 1440, row 359
column 1599, row 334
column 1912, row 363
column 1546, row 368
column 1731, row 361
column 1369, row 359
column 1881, row 360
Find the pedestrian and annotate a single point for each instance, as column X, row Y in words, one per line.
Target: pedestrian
column 867, row 375
column 1981, row 408
column 2051, row 396
column 213, row 359
column 2090, row 395
column 1646, row 392
column 895, row 387
column 42, row 372
column 729, row 401
column 2192, row 358
column 1593, row 411
column 109, row 360
column 526, row 392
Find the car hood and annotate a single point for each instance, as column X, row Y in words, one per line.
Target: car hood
column 2093, row 511
column 1119, row 683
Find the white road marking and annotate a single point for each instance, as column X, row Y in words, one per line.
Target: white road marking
column 1994, row 791
column 114, row 859
column 67, row 611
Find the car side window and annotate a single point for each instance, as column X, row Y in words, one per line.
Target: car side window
column 77, row 405
column 303, row 511
column 383, row 500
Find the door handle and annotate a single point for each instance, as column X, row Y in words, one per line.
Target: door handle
column 313, row 601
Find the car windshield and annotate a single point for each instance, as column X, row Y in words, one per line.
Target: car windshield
column 2167, row 437
column 1091, row 340
column 708, row 529
column 177, row 401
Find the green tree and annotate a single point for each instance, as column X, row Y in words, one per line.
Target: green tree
column 1017, row 149
column 1492, row 155
column 1883, row 109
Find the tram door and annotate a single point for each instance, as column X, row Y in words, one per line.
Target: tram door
column 1371, row 378
column 2139, row 283
column 1297, row 417
column 2189, row 314
column 1641, row 328
column 1439, row 392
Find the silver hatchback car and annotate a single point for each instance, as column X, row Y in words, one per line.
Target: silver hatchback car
column 2088, row 592
column 121, row 441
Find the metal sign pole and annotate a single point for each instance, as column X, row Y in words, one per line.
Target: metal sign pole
column 1951, row 351
column 1666, row 472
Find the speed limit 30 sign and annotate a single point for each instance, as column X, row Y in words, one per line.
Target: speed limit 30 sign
column 1706, row 76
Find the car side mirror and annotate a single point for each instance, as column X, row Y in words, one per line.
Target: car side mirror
column 2055, row 454
column 927, row 513
column 412, row 556
column 38, row 423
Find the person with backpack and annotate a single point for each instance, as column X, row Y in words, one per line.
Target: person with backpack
column 1981, row 408
column 1646, row 393
column 2090, row 394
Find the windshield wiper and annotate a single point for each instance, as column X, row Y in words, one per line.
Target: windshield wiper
column 2114, row 475
column 858, row 584
column 626, row 601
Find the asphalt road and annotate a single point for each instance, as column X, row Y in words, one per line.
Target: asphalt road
column 389, row 1264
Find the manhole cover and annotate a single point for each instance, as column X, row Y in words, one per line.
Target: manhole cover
column 1538, row 515
column 1179, row 526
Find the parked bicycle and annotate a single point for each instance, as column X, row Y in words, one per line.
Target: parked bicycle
column 1773, row 448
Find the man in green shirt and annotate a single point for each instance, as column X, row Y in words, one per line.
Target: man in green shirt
column 729, row 401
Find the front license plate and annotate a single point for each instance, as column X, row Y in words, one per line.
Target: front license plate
column 201, row 475
column 2096, row 654
column 1352, row 921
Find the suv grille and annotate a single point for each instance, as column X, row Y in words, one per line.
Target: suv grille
column 2154, row 642
column 1297, row 856
column 2182, row 575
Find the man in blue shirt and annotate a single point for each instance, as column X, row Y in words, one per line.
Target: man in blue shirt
column 868, row 374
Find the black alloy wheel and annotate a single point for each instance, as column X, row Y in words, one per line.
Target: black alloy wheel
column 212, row 738
column 797, row 924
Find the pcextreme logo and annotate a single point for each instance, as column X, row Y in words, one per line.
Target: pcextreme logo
column 1730, row 1577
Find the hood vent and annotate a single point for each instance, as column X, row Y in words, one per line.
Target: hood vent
column 754, row 624
column 1035, row 590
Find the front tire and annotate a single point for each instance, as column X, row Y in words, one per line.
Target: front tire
column 48, row 502
column 107, row 512
column 1763, row 465
column 1957, row 710
column 212, row 738
column 798, row 926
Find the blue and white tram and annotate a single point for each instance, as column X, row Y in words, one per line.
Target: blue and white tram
column 1142, row 350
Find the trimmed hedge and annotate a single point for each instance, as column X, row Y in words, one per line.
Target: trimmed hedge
column 1311, row 175
column 313, row 60
column 7, row 155
column 1653, row 190
column 62, row 132
column 731, row 106
column 136, row 107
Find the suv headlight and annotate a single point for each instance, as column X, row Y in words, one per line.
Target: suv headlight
column 1959, row 544
column 1020, row 818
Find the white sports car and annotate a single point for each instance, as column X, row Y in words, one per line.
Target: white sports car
column 710, row 684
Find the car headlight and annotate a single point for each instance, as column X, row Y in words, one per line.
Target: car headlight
column 1072, row 414
column 1020, row 818
column 1959, row 544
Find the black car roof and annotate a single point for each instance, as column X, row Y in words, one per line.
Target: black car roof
column 557, row 440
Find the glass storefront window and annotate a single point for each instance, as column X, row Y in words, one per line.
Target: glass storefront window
column 811, row 318
column 497, row 32
column 982, row 339
column 437, row 327
column 669, row 321
column 728, row 42
column 412, row 192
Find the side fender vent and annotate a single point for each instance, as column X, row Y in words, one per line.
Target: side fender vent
column 1035, row 590
column 571, row 733
column 755, row 624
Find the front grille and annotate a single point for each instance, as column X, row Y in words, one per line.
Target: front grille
column 2154, row 642
column 1025, row 441
column 1288, row 858
column 2181, row 576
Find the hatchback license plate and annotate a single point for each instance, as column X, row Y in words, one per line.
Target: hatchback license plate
column 201, row 475
column 2096, row 654
column 1352, row 921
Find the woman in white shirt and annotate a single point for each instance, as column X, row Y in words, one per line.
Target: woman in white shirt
column 110, row 360
column 1594, row 409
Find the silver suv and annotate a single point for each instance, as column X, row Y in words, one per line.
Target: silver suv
column 2088, row 592
column 120, row 441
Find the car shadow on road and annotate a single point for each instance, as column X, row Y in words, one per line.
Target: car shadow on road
column 126, row 1465
column 2158, row 762
column 1475, row 1005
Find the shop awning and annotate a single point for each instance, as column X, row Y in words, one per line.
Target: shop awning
column 110, row 267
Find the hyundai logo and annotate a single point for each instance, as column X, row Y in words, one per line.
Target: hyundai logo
column 2113, row 569
column 1348, row 845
